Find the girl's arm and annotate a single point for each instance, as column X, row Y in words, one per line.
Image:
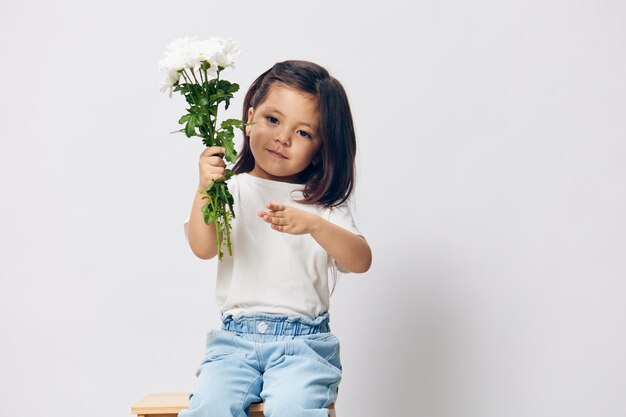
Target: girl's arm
column 201, row 235
column 350, row 251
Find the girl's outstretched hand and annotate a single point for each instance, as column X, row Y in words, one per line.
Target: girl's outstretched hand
column 289, row 219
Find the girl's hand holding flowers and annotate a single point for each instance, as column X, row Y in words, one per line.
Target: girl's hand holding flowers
column 289, row 219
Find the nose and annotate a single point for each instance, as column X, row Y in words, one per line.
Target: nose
column 284, row 139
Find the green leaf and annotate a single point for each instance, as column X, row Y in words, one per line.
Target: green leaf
column 209, row 217
column 190, row 129
column 228, row 135
column 203, row 130
column 232, row 122
column 230, row 154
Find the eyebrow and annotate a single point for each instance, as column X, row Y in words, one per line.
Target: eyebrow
column 272, row 109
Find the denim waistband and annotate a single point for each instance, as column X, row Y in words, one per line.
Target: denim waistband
column 275, row 324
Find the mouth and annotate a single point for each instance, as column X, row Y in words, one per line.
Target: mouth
column 277, row 155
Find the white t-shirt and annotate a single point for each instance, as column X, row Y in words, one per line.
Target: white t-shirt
column 272, row 271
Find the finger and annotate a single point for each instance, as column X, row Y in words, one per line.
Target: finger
column 216, row 161
column 212, row 169
column 277, row 221
column 213, row 150
column 265, row 216
column 275, row 206
column 278, row 228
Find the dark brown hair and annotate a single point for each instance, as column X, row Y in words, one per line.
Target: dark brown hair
column 329, row 179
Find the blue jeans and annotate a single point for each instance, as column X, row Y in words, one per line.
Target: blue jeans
column 291, row 363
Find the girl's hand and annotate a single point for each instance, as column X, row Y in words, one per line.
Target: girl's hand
column 289, row 219
column 211, row 167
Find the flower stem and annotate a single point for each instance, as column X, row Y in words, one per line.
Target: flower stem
column 217, row 105
column 194, row 76
column 185, row 76
column 206, row 77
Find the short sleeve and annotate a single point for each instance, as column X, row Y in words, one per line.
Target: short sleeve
column 341, row 215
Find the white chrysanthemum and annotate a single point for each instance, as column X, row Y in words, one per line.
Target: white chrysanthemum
column 204, row 51
column 226, row 53
column 177, row 54
column 170, row 81
column 189, row 53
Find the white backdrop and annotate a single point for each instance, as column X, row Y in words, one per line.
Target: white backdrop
column 490, row 186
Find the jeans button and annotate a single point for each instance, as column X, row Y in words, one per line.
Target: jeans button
column 262, row 327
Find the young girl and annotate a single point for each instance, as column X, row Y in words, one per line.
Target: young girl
column 292, row 223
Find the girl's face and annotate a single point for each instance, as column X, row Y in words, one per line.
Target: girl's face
column 284, row 138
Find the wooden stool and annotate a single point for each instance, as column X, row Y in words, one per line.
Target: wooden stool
column 170, row 403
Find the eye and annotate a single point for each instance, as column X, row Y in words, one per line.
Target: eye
column 271, row 118
column 305, row 133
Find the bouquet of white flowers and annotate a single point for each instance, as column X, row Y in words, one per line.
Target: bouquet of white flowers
column 191, row 59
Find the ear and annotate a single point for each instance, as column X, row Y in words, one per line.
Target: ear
column 250, row 117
